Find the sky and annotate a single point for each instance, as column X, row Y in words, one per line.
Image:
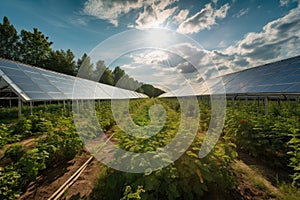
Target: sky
column 170, row 42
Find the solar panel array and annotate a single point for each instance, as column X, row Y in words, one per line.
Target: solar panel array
column 282, row 77
column 35, row 84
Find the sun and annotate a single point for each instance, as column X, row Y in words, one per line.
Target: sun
column 157, row 36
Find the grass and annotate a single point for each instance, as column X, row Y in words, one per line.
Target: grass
column 289, row 192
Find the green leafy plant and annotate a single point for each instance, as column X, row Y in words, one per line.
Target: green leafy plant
column 32, row 162
column 294, row 144
column 188, row 177
column 10, row 182
column 130, row 195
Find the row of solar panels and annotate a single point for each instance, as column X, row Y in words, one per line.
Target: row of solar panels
column 282, row 77
column 35, row 84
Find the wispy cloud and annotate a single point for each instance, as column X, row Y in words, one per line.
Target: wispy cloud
column 111, row 10
column 154, row 57
column 155, row 14
column 277, row 40
column 287, row 2
column 150, row 14
column 181, row 16
column 204, row 19
column 242, row 12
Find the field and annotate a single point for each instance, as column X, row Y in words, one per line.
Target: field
column 256, row 157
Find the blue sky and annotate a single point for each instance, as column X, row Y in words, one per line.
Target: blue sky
column 234, row 34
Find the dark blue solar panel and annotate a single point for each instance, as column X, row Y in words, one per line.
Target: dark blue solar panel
column 271, row 78
column 38, row 95
column 29, row 87
column 28, row 68
column 5, row 63
column 293, row 89
column 12, row 72
column 277, row 88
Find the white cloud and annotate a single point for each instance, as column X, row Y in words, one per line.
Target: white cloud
column 242, row 12
column 287, row 2
column 181, row 60
column 222, row 44
column 81, row 21
column 277, row 40
column 151, row 57
column 197, row 57
column 155, row 14
column 204, row 19
column 181, row 16
column 151, row 13
column 111, row 10
column 129, row 66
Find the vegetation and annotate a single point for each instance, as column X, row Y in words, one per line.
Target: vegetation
column 187, row 177
column 273, row 137
column 49, row 138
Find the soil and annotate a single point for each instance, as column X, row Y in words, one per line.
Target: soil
column 50, row 180
column 256, row 179
column 252, row 185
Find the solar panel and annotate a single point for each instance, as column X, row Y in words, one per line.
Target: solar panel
column 35, row 84
column 295, row 88
column 278, row 77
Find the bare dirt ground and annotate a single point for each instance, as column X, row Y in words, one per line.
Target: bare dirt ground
column 253, row 185
column 256, row 179
column 50, row 180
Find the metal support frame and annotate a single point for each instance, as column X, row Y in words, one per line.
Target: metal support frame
column 77, row 106
column 30, row 103
column 232, row 99
column 258, row 104
column 19, row 107
column 266, row 105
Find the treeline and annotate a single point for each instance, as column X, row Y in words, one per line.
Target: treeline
column 34, row 48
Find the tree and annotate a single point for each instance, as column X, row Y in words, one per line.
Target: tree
column 8, row 40
column 85, row 67
column 61, row 61
column 122, row 80
column 118, row 73
column 104, row 73
column 34, row 48
column 151, row 91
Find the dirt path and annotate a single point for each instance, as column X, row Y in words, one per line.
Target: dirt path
column 253, row 185
column 50, row 180
column 253, row 179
